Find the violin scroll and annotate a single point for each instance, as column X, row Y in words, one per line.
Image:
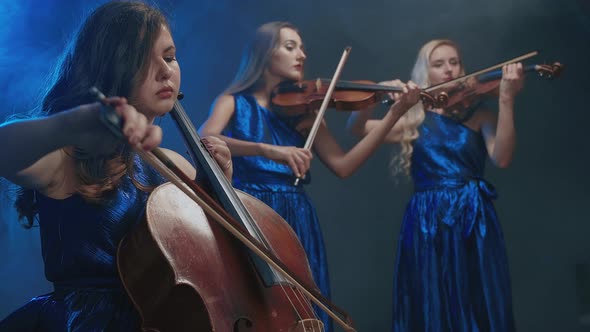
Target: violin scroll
column 549, row 71
column 439, row 100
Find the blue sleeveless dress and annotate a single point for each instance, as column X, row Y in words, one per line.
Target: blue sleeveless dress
column 79, row 244
column 451, row 272
column 272, row 182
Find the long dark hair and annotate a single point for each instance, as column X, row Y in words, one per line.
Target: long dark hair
column 111, row 51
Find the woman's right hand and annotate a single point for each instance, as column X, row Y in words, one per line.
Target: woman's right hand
column 136, row 130
column 298, row 159
column 35, row 146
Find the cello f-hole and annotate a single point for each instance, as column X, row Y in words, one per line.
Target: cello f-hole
column 243, row 324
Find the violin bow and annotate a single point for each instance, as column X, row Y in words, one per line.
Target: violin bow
column 325, row 103
column 465, row 77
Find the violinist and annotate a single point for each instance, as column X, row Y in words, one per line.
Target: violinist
column 266, row 147
column 86, row 188
column 451, row 271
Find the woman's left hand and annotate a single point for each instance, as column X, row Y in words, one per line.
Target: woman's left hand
column 512, row 80
column 221, row 153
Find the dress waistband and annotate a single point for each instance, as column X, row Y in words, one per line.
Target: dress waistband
column 471, row 200
column 483, row 186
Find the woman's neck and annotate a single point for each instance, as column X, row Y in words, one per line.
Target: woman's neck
column 263, row 93
column 262, row 97
column 265, row 88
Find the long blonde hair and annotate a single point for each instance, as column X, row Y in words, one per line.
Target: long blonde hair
column 402, row 161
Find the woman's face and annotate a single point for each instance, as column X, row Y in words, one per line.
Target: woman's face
column 443, row 65
column 155, row 95
column 286, row 62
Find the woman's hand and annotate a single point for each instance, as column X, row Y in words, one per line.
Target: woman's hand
column 394, row 83
column 410, row 95
column 512, row 81
column 298, row 159
column 96, row 139
column 407, row 98
column 220, row 153
column 137, row 130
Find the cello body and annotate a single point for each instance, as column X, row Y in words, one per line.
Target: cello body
column 186, row 273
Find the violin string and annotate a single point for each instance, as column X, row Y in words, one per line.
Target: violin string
column 363, row 86
column 464, row 77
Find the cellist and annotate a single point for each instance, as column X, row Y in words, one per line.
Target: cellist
column 85, row 188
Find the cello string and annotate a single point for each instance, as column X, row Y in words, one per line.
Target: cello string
column 160, row 162
column 166, row 172
column 298, row 294
column 230, row 193
column 157, row 159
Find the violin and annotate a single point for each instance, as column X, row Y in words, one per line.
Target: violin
column 457, row 97
column 305, row 97
column 310, row 99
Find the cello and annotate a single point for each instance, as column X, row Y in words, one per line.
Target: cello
column 195, row 263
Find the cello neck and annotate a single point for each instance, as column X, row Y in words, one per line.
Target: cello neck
column 223, row 189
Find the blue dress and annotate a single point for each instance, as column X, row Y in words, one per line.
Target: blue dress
column 272, row 182
column 79, row 244
column 451, row 272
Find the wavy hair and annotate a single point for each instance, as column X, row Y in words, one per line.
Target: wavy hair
column 402, row 161
column 111, row 51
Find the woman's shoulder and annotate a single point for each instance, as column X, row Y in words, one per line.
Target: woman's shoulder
column 223, row 104
column 240, row 102
column 225, row 100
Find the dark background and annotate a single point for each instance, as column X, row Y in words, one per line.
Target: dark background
column 543, row 197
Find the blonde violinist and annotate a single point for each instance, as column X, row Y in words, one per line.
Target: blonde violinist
column 451, row 272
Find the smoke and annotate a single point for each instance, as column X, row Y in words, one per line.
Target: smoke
column 32, row 37
column 33, row 34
